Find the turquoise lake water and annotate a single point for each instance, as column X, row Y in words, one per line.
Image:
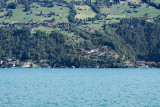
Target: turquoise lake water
column 79, row 87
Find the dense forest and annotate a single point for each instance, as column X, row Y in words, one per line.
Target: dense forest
column 135, row 38
column 152, row 3
column 53, row 47
column 142, row 36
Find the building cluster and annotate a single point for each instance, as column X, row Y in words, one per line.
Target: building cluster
column 12, row 62
column 138, row 64
column 65, row 25
column 145, row 63
column 93, row 54
column 9, row 62
column 97, row 54
column 134, row 4
column 126, row 64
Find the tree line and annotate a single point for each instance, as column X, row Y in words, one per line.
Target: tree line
column 152, row 3
column 142, row 36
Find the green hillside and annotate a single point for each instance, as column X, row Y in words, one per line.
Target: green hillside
column 80, row 33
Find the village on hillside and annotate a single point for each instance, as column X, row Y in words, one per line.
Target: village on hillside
column 54, row 18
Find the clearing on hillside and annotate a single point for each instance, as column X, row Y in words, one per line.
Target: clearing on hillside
column 133, row 0
column 84, row 12
column 37, row 14
column 124, row 11
column 156, row 1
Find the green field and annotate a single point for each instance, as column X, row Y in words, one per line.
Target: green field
column 84, row 12
column 114, row 13
column 121, row 2
column 73, row 37
column 68, row 1
column 156, row 1
column 46, row 29
column 20, row 16
column 120, row 11
column 79, row 0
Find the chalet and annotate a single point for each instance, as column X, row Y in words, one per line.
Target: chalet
column 26, row 65
column 149, row 17
column 111, row 3
column 56, row 14
column 45, row 65
column 150, row 62
column 79, row 2
column 1, row 62
column 134, row 5
column 12, row 65
column 47, row 15
column 91, row 29
column 135, row 11
column 81, row 8
column 34, row 65
column 52, row 31
column 4, row 58
column 145, row 63
column 44, row 61
column 107, row 19
column 90, row 51
column 73, row 67
column 104, row 14
column 129, row 11
column 50, row 25
column 63, row 67
column 102, row 22
column 2, row 10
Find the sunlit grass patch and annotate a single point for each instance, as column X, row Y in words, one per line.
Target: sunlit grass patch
column 84, row 12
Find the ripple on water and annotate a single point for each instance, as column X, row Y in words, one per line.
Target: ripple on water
column 79, row 87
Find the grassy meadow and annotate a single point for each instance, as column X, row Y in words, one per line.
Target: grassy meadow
column 156, row 1
column 46, row 29
column 84, row 12
column 79, row 0
column 114, row 13
column 120, row 11
column 20, row 16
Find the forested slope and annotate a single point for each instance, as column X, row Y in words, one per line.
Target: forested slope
column 142, row 36
column 136, row 39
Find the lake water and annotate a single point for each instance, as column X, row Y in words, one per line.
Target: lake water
column 79, row 87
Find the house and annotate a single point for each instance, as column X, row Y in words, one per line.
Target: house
column 145, row 63
column 11, row 65
column 149, row 17
column 102, row 22
column 73, row 67
column 45, row 65
column 90, row 51
column 34, row 66
column 1, row 62
column 26, row 65
column 129, row 11
column 2, row 10
column 126, row 64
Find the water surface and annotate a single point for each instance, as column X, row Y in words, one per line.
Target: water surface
column 79, row 87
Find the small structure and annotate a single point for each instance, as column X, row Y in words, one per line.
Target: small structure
column 126, row 64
